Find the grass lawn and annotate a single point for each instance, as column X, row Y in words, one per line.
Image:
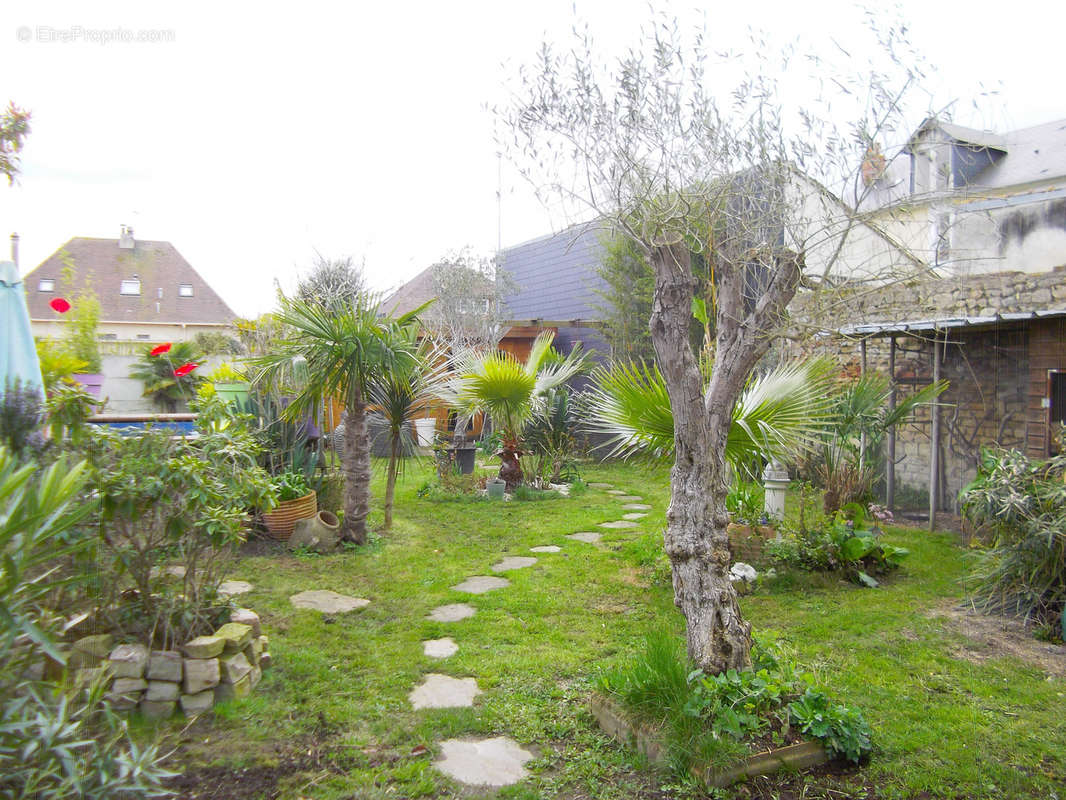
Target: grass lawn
column 331, row 718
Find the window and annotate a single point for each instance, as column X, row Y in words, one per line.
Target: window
column 130, row 286
column 46, row 285
column 185, row 290
column 108, row 337
column 143, row 336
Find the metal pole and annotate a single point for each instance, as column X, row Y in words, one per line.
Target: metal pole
column 862, row 436
column 890, row 459
column 934, row 439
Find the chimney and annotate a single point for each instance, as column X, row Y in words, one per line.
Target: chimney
column 125, row 239
column 15, row 249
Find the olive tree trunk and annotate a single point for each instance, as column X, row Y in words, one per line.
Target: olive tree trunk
column 356, row 473
column 697, row 540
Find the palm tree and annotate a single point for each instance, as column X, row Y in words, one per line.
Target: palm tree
column 779, row 414
column 167, row 372
column 344, row 350
column 397, row 397
column 509, row 391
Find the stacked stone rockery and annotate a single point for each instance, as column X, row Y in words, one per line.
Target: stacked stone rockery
column 206, row 670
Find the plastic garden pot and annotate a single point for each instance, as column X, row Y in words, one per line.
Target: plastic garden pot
column 425, row 430
column 495, row 488
column 233, row 392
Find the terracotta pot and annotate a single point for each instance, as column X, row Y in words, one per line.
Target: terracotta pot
column 280, row 522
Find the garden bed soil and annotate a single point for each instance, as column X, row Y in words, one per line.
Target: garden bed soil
column 801, row 755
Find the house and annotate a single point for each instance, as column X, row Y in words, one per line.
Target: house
column 147, row 292
column 988, row 212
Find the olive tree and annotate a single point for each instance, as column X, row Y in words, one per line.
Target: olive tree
column 688, row 157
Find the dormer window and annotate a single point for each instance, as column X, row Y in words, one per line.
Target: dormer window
column 130, row 286
column 185, row 290
column 46, row 285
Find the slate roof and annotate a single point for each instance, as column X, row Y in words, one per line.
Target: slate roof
column 103, row 265
column 411, row 295
column 555, row 275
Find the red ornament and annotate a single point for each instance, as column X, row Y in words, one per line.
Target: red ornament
column 60, row 305
column 159, row 349
column 185, row 369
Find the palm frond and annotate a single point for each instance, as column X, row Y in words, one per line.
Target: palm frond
column 778, row 415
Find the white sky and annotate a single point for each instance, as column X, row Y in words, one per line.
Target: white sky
column 264, row 132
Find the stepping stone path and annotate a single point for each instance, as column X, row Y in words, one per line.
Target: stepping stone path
column 328, row 602
column 634, row 516
column 600, row 486
column 545, row 548
column 230, row 588
column 630, row 498
column 440, row 648
column 485, row 762
column 618, row 524
column 514, row 562
column 444, row 691
column 616, row 492
column 452, row 613
column 588, row 537
column 637, row 507
column 479, row 584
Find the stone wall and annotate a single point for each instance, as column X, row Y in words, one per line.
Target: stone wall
column 990, row 400
column 207, row 670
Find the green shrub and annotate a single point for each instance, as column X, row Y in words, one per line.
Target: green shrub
column 851, row 546
column 165, row 498
column 1021, row 507
column 21, row 417
column 746, row 502
column 53, row 743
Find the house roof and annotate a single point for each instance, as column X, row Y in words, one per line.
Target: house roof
column 102, row 265
column 416, row 292
column 961, row 134
column 556, row 275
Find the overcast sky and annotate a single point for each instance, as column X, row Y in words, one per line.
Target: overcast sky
column 250, row 138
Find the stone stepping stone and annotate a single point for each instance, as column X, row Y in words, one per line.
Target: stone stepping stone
column 483, row 762
column 630, row 498
column 479, row 584
column 545, row 548
column 440, row 648
column 513, row 562
column 634, row 516
column 637, row 507
column 616, row 492
column 600, row 486
column 619, row 524
column 452, row 612
column 177, row 571
column 230, row 588
column 328, row 602
column 588, row 537
column 444, row 691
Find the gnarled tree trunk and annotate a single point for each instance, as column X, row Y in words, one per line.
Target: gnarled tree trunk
column 356, row 473
column 697, row 540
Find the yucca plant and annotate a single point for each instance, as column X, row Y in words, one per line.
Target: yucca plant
column 398, row 397
column 778, row 415
column 509, row 391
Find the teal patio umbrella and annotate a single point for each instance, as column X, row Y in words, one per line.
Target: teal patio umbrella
column 18, row 355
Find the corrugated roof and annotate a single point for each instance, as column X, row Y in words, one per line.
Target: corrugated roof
column 102, row 265
column 944, row 323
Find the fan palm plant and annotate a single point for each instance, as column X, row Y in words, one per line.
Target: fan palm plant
column 778, row 415
column 344, row 351
column 509, row 391
column 399, row 396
